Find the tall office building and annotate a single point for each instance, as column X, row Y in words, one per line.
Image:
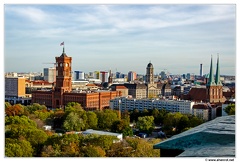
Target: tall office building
column 96, row 75
column 14, row 87
column 201, row 70
column 163, row 75
column 132, row 75
column 49, row 74
column 104, row 76
column 118, row 74
column 78, row 75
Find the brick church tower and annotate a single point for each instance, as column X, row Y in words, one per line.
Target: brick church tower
column 63, row 79
column 214, row 86
column 214, row 89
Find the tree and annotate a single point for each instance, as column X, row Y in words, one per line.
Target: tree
column 51, row 151
column 168, row 123
column 73, row 122
column 30, row 133
column 73, row 106
column 93, row 151
column 146, row 124
column 19, row 120
column 155, row 113
column 92, row 120
column 67, row 145
column 106, row 119
column 127, row 131
column 176, row 118
column 134, row 115
column 120, row 149
column 18, row 148
column 104, row 141
column 43, row 114
column 142, row 148
column 122, row 126
column 14, row 110
column 230, row 109
column 7, row 104
column 126, row 116
column 194, row 121
column 162, row 114
column 35, row 107
column 71, row 150
column 183, row 124
column 58, row 118
column 145, row 112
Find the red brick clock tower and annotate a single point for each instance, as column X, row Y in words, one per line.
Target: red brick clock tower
column 63, row 79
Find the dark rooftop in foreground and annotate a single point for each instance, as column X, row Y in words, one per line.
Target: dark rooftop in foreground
column 215, row 138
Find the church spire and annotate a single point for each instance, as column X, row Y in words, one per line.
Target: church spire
column 211, row 77
column 217, row 80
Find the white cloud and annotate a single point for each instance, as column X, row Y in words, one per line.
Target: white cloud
column 32, row 13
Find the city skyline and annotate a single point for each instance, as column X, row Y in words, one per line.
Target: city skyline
column 116, row 37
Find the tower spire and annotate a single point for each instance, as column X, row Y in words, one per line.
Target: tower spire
column 217, row 80
column 211, row 77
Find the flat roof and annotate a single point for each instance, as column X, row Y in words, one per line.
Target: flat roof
column 91, row 131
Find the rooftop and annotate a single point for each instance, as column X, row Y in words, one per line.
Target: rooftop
column 215, row 138
column 91, row 131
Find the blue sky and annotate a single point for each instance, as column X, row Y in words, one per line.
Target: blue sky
column 121, row 37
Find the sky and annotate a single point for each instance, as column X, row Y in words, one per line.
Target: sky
column 176, row 38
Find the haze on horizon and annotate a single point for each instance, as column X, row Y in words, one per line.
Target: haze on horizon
column 121, row 37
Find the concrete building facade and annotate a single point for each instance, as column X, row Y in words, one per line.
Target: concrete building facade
column 49, row 74
column 132, row 75
column 15, row 86
column 125, row 103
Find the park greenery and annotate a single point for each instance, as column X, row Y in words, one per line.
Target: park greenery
column 230, row 109
column 25, row 135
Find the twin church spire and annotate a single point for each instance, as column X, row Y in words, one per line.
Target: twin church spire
column 211, row 81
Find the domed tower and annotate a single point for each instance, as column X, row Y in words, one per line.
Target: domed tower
column 149, row 73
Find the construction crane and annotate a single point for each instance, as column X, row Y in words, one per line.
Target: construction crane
column 54, row 63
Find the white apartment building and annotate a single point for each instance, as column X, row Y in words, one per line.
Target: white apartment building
column 125, row 103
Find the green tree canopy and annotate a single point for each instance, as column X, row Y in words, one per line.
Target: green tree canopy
column 122, row 126
column 106, row 119
column 35, row 107
column 183, row 124
column 230, row 109
column 43, row 114
column 7, row 104
column 145, row 124
column 93, row 151
column 73, row 106
column 143, row 148
column 18, row 148
column 19, row 120
column 92, row 120
column 73, row 122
